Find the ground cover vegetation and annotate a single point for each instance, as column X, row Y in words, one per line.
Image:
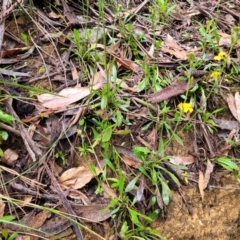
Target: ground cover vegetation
column 108, row 107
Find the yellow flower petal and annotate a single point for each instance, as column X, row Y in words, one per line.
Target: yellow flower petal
column 215, row 74
column 185, row 107
column 220, row 56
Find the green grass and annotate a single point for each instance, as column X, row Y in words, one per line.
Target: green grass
column 111, row 117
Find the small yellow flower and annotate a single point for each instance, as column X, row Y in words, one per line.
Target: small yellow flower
column 220, row 56
column 215, row 74
column 185, row 107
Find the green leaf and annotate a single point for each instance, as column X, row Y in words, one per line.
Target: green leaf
column 104, row 101
column 165, row 192
column 227, row 163
column 5, row 233
column 7, row 218
column 131, row 184
column 107, row 134
column 154, row 214
column 142, row 85
column 177, row 138
column 4, row 117
column 124, row 229
column 4, row 135
column 134, row 216
column 13, row 236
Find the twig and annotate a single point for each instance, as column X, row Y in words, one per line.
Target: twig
column 10, row 129
column 64, row 200
column 23, row 189
column 32, row 148
column 2, row 26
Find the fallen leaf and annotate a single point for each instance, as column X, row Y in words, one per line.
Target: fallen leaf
column 66, row 97
column 171, row 91
column 201, row 183
column 237, row 104
column 38, row 220
column 171, row 43
column 178, row 54
column 75, row 75
column 13, row 51
column 93, row 213
column 109, row 191
column 207, row 173
column 182, row 160
column 77, row 195
column 10, row 157
column 140, row 189
column 77, row 177
column 2, row 207
column 232, row 105
column 226, row 124
column 128, row 157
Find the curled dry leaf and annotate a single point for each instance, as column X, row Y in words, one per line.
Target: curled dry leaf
column 232, row 105
column 93, row 213
column 78, row 177
column 207, row 173
column 75, row 194
column 182, row 160
column 38, row 220
column 171, row 91
column 226, row 124
column 201, row 184
column 109, row 191
column 128, row 157
column 66, row 97
column 2, row 207
column 10, row 157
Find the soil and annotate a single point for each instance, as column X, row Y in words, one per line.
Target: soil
column 214, row 217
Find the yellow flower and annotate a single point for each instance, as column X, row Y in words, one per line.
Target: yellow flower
column 220, row 56
column 215, row 74
column 185, row 107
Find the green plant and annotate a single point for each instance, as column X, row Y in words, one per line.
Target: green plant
column 62, row 157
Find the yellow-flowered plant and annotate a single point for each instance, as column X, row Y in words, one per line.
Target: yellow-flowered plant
column 215, row 74
column 185, row 107
column 220, row 56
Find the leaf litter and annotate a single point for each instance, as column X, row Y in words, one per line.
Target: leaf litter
column 111, row 74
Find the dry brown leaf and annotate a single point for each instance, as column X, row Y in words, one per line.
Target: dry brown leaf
column 151, row 50
column 10, row 157
column 75, row 194
column 128, row 157
column 78, row 177
column 38, row 220
column 128, row 64
column 75, row 75
column 152, row 139
column 237, row 104
column 182, row 160
column 93, row 213
column 232, row 105
column 207, row 173
column 159, row 199
column 201, row 184
column 171, row 91
column 225, row 39
column 54, row 15
column 109, row 191
column 2, row 207
column 67, row 96
column 171, row 43
column 226, row 124
column 99, row 77
column 140, row 189
column 178, row 54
